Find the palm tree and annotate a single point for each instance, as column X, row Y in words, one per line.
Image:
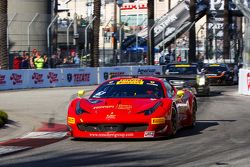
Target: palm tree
column 96, row 29
column 226, row 35
column 150, row 55
column 4, row 61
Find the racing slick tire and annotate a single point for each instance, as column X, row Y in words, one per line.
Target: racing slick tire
column 174, row 121
column 193, row 116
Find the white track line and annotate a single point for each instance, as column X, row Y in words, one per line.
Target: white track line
column 10, row 149
column 45, row 135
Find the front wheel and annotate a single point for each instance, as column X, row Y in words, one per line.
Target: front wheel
column 193, row 117
column 174, row 121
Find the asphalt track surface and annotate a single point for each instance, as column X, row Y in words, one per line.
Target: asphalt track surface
column 220, row 139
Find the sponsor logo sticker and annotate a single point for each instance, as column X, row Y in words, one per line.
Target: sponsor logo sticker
column 111, row 116
column 71, row 120
column 130, row 81
column 149, row 133
column 16, row 78
column 156, row 121
column 53, row 77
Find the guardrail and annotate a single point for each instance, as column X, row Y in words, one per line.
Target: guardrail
column 45, row 78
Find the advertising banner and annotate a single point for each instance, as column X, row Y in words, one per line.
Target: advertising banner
column 5, row 82
column 79, row 76
column 18, row 79
column 106, row 72
column 45, row 78
column 146, row 70
column 244, row 82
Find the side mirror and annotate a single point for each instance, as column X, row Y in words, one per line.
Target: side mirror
column 80, row 93
column 180, row 93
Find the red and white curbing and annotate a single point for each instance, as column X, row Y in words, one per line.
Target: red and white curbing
column 47, row 134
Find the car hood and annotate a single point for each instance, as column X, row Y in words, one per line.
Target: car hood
column 117, row 105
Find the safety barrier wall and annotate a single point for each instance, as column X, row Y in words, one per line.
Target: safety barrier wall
column 244, row 82
column 45, row 78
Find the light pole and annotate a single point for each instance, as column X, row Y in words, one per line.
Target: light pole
column 119, row 3
column 214, row 13
column 104, row 54
column 197, row 37
column 115, row 34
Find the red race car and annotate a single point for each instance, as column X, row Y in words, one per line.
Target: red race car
column 132, row 107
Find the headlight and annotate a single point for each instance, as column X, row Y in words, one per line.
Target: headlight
column 152, row 109
column 79, row 110
column 201, row 80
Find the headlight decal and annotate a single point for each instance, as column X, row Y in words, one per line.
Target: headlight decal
column 79, row 110
column 152, row 109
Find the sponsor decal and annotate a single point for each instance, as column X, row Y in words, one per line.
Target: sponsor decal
column 214, row 65
column 248, row 81
column 52, row 77
column 111, row 135
column 111, row 116
column 156, row 121
column 159, row 28
column 37, row 78
column 149, row 133
column 182, row 65
column 81, row 77
column 216, row 4
column 16, row 78
column 2, row 79
column 146, row 71
column 130, row 81
column 69, row 77
column 71, row 120
column 124, row 107
column 132, row 6
column 103, row 107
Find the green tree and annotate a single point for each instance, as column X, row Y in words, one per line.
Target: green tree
column 96, row 29
column 4, row 60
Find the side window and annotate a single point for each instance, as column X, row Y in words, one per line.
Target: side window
column 170, row 90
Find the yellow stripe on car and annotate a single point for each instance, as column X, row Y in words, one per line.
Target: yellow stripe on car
column 155, row 121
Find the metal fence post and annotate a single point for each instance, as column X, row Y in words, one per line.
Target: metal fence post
column 68, row 35
column 28, row 31
column 48, row 39
column 86, row 34
column 11, row 20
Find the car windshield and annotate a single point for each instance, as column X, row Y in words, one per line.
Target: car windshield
column 215, row 69
column 182, row 70
column 129, row 88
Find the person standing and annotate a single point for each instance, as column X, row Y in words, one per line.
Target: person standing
column 17, row 61
column 179, row 58
column 39, row 61
column 46, row 62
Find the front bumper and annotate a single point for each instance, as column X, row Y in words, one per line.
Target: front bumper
column 120, row 131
